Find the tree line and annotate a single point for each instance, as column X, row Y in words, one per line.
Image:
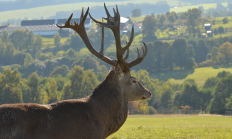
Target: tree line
column 65, row 84
column 23, row 48
column 214, row 97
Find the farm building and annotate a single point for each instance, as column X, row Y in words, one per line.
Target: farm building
column 3, row 26
column 137, row 27
column 123, row 24
column 209, row 33
column 207, row 26
column 48, row 27
column 44, row 27
column 43, row 30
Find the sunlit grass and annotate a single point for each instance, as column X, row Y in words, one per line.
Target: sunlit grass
column 137, row 19
column 185, row 8
column 200, row 75
column 176, row 126
column 49, row 42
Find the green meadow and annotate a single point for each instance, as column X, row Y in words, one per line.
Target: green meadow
column 185, row 8
column 175, row 126
column 49, row 42
column 200, row 75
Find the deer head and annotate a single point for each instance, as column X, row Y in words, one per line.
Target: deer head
column 128, row 83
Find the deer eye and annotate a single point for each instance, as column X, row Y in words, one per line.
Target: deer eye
column 133, row 81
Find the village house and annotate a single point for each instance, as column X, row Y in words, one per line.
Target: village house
column 45, row 27
column 137, row 27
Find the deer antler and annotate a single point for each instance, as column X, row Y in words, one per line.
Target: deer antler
column 80, row 29
column 113, row 23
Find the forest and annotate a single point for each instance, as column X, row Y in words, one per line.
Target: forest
column 33, row 71
column 31, row 76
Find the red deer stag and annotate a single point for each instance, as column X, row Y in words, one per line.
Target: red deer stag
column 95, row 117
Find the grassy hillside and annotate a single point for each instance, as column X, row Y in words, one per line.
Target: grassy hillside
column 200, row 75
column 175, row 126
column 185, row 8
column 48, row 11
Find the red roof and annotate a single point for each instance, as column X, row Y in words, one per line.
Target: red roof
column 136, row 24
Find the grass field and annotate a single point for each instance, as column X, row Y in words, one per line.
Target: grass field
column 185, row 8
column 49, row 42
column 200, row 75
column 48, row 11
column 175, row 126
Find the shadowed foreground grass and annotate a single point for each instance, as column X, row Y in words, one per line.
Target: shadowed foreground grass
column 176, row 126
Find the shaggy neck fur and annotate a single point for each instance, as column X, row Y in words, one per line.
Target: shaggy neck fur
column 109, row 100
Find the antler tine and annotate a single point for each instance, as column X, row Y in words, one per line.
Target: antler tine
column 127, row 54
column 80, row 29
column 113, row 23
column 138, row 53
column 107, row 12
column 114, row 11
column 139, row 59
column 82, row 14
column 102, row 41
column 97, row 22
column 85, row 16
column 117, row 9
column 130, row 41
column 67, row 23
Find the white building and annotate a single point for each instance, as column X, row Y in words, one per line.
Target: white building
column 123, row 25
column 45, row 27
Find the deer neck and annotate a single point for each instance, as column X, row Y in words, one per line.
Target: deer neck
column 108, row 100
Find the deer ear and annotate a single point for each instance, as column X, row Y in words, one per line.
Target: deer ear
column 119, row 70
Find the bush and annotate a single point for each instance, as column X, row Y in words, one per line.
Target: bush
column 225, row 20
column 62, row 70
column 206, row 63
column 221, row 30
column 151, row 110
column 215, row 31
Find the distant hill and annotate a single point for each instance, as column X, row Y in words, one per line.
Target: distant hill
column 8, row 5
column 96, row 10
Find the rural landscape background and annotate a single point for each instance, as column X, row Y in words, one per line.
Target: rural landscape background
column 188, row 67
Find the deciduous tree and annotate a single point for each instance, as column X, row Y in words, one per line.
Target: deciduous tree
column 162, row 19
column 4, row 36
column 52, row 91
column 179, row 47
column 57, row 40
column 192, row 21
column 226, row 53
column 33, row 83
column 149, row 27
column 76, row 76
column 136, row 13
column 38, row 43
column 201, row 51
column 10, row 87
column 28, row 60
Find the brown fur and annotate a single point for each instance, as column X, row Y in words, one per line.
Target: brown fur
column 94, row 117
